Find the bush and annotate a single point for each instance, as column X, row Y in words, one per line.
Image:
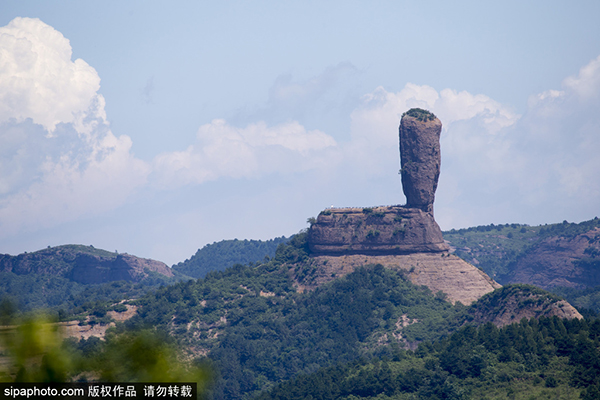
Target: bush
column 420, row 114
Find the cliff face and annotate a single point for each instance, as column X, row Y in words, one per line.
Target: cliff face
column 560, row 261
column 83, row 264
column 93, row 269
column 375, row 231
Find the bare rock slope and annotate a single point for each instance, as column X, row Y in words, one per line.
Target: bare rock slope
column 444, row 272
column 572, row 261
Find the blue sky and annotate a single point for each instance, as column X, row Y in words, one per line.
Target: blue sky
column 155, row 128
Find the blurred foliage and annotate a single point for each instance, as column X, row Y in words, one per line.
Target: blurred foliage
column 34, row 350
column 226, row 253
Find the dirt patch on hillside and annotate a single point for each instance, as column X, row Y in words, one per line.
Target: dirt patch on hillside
column 73, row 329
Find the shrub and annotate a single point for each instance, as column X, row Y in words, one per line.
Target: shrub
column 420, row 114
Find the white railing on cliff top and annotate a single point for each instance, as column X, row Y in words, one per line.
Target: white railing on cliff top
column 362, row 208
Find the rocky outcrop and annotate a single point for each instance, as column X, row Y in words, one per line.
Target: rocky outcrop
column 93, row 269
column 393, row 229
column 560, row 261
column 375, row 231
column 420, row 157
column 512, row 303
column 83, row 264
column 440, row 272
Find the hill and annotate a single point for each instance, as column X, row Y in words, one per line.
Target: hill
column 563, row 258
column 83, row 264
column 544, row 255
column 71, row 279
column 533, row 359
column 227, row 253
column 257, row 329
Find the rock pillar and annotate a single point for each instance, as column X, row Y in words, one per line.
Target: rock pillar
column 420, row 157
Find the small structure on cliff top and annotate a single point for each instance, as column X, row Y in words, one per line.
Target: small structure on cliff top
column 398, row 229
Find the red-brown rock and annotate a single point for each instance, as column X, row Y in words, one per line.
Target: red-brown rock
column 420, row 157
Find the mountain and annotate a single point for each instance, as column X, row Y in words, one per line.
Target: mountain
column 227, row 253
column 258, row 326
column 83, row 264
column 563, row 257
column 560, row 260
column 564, row 254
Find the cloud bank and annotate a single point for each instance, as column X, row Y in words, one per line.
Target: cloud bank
column 59, row 160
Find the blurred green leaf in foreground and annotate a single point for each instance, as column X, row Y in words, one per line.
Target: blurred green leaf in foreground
column 35, row 350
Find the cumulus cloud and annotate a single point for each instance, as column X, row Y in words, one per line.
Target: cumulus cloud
column 375, row 123
column 38, row 80
column 498, row 166
column 59, row 160
column 226, row 151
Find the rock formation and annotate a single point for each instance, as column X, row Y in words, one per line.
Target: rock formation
column 393, row 229
column 572, row 261
column 398, row 237
column 93, row 269
column 420, row 157
column 375, row 231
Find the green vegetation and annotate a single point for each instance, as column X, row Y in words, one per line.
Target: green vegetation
column 33, row 351
column 494, row 248
column 258, row 330
column 226, row 253
column 65, row 299
column 420, row 114
column 347, row 339
column 533, row 359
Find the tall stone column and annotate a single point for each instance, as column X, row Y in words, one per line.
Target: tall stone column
column 420, row 157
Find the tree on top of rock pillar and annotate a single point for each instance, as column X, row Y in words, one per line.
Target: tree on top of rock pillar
column 420, row 157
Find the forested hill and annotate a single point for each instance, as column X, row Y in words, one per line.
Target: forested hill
column 71, row 279
column 226, row 253
column 501, row 249
column 257, row 329
column 547, row 358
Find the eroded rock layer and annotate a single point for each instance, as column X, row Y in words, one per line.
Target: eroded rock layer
column 375, row 231
column 457, row 279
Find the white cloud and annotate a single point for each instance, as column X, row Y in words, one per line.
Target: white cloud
column 38, row 80
column 59, row 160
column 586, row 84
column 497, row 166
column 225, row 151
